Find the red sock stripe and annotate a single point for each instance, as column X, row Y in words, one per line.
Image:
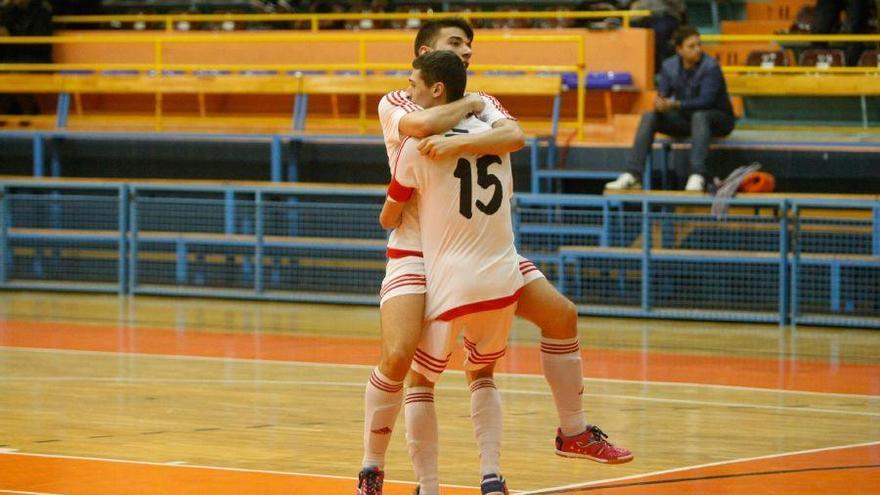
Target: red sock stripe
column 560, row 348
column 477, row 385
column 419, row 397
column 383, row 385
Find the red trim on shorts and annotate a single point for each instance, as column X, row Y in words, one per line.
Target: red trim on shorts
column 395, row 253
column 430, row 362
column 402, row 281
column 526, row 267
column 476, row 307
column 477, row 358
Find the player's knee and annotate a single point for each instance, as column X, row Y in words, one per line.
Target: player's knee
column 395, row 364
column 563, row 324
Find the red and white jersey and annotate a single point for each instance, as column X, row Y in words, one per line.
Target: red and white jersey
column 405, row 240
column 467, row 234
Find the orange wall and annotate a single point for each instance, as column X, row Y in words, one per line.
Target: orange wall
column 624, row 50
column 628, row 50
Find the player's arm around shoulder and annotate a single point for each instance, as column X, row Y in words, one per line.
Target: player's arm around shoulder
column 505, row 136
column 441, row 118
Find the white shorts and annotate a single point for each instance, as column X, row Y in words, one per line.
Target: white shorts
column 403, row 276
column 485, row 341
column 407, row 276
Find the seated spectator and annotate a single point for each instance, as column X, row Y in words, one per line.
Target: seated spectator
column 510, row 22
column 666, row 16
column 24, row 18
column 558, row 22
column 76, row 7
column 827, row 21
column 692, row 101
column 329, row 7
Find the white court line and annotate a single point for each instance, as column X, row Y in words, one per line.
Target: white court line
column 212, row 468
column 370, row 366
column 509, row 391
column 17, row 492
column 688, row 468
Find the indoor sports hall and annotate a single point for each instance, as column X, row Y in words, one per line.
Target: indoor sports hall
column 191, row 258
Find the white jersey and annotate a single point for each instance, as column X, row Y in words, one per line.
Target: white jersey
column 405, row 239
column 467, row 234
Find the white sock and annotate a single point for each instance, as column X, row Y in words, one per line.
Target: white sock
column 564, row 371
column 421, row 437
column 487, row 418
column 381, row 406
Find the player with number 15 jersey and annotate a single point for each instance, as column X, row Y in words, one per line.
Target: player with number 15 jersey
column 465, row 220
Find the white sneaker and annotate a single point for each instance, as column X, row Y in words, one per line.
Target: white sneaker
column 625, row 181
column 695, row 183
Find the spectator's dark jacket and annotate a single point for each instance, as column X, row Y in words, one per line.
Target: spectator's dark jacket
column 703, row 88
column 35, row 19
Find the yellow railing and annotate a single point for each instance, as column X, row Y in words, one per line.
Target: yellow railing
column 158, row 66
column 790, row 38
column 314, row 20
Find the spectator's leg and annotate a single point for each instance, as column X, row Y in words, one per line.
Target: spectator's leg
column 28, row 105
column 827, row 14
column 857, row 12
column 704, row 125
column 642, row 143
column 673, row 124
column 7, row 104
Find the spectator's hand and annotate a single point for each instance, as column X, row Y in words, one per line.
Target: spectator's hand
column 476, row 103
column 440, row 146
column 4, row 31
column 664, row 104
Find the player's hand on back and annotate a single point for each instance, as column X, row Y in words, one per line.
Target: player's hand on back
column 476, row 102
column 438, row 146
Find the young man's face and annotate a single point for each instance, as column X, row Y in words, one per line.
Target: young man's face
column 420, row 93
column 453, row 39
column 690, row 49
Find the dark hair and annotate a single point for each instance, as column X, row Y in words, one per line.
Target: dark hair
column 683, row 33
column 446, row 67
column 427, row 34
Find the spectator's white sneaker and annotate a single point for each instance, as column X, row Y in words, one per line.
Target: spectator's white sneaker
column 625, row 181
column 695, row 183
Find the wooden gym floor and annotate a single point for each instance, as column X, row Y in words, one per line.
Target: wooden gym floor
column 107, row 395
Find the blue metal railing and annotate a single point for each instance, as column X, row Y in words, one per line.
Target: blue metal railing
column 768, row 260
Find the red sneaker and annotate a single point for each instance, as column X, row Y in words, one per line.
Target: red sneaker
column 591, row 444
column 370, row 481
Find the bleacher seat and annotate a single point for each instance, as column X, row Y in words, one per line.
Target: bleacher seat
column 822, row 58
column 769, row 58
column 869, row 58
